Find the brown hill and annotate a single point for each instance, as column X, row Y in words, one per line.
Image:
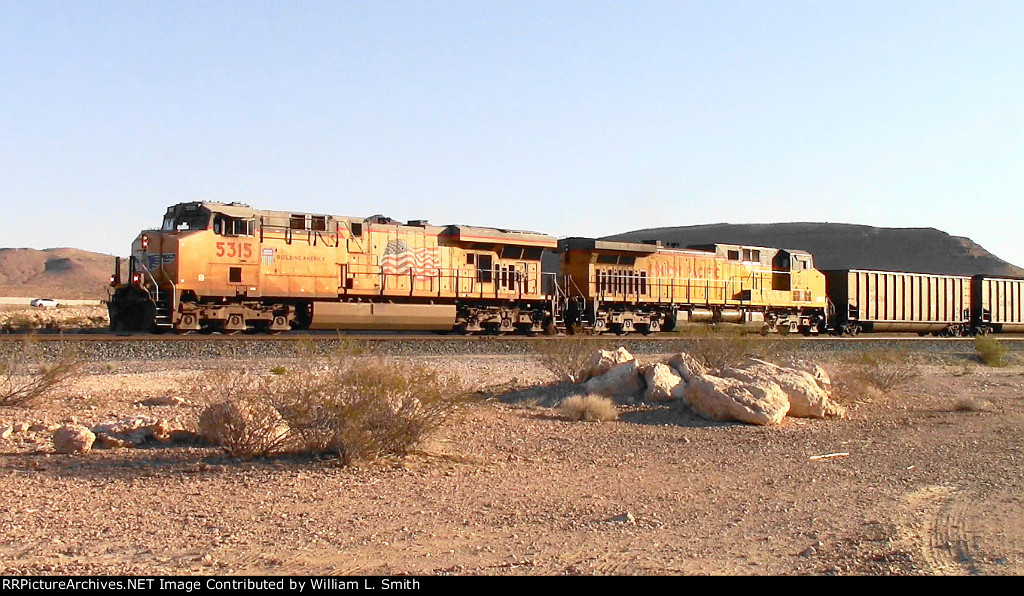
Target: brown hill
column 843, row 246
column 67, row 273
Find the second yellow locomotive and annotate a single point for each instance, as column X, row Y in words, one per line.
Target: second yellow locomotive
column 627, row 287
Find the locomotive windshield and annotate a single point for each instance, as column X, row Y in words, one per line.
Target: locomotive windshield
column 196, row 218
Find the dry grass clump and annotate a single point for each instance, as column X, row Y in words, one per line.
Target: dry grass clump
column 358, row 409
column 567, row 357
column 588, row 408
column 27, row 375
column 721, row 347
column 990, row 351
column 972, row 404
column 878, row 372
column 848, row 388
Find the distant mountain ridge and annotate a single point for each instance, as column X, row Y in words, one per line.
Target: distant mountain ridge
column 68, row 273
column 846, row 246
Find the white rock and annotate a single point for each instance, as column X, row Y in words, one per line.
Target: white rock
column 686, row 366
column 603, row 360
column 5, row 432
column 663, row 384
column 621, row 381
column 807, row 397
column 73, row 438
column 731, row 399
column 820, row 374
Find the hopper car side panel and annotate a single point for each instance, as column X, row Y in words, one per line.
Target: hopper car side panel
column 997, row 304
column 867, row 300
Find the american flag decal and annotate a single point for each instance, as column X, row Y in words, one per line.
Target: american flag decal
column 400, row 259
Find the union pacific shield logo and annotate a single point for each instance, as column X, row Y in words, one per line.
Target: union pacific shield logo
column 155, row 261
column 268, row 256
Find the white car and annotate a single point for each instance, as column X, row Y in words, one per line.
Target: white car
column 45, row 302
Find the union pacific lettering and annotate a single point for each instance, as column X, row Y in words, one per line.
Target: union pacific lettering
column 691, row 268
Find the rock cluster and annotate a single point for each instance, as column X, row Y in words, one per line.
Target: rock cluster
column 755, row 392
column 135, row 431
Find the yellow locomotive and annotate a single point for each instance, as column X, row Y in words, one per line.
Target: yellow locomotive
column 623, row 287
column 231, row 268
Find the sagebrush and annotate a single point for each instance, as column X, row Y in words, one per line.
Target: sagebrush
column 719, row 347
column 889, row 371
column 356, row 408
column 28, row 374
column 567, row 357
column 990, row 350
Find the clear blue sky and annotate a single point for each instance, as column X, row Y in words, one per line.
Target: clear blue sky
column 571, row 118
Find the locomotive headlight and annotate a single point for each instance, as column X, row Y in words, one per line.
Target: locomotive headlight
column 136, row 278
column 145, row 241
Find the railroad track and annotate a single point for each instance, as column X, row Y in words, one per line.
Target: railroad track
column 141, row 347
column 89, row 336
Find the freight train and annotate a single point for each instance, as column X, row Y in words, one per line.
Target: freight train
column 229, row 268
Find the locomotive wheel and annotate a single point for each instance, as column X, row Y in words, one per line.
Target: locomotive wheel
column 644, row 329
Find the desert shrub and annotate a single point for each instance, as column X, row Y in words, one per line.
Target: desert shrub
column 359, row 409
column 279, row 370
column 888, row 371
column 20, row 322
column 848, row 387
column 245, row 427
column 589, row 408
column 990, row 351
column 567, row 357
column 27, row 375
column 365, row 409
column 718, row 348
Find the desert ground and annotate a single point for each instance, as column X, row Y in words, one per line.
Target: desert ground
column 932, row 484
